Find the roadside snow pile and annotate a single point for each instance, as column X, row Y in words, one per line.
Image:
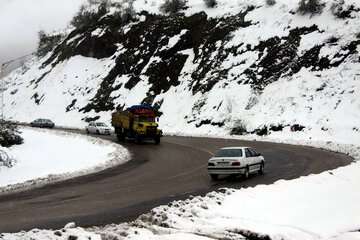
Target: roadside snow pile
column 50, row 156
column 6, row 159
column 69, row 232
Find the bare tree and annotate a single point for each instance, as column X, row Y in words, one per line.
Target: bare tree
column 270, row 2
column 210, row 3
column 172, row 6
column 311, row 7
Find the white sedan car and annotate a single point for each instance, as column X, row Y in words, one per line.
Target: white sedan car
column 98, row 128
column 236, row 160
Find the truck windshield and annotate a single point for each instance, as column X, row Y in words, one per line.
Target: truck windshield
column 229, row 153
column 101, row 124
column 146, row 119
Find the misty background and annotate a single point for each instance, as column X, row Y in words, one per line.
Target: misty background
column 21, row 20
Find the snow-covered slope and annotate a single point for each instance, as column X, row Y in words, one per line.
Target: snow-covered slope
column 242, row 64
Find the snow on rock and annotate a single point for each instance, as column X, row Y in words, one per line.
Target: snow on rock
column 50, row 156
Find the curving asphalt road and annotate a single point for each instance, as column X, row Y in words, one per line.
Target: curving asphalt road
column 156, row 175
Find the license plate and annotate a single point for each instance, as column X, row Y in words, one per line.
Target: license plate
column 222, row 163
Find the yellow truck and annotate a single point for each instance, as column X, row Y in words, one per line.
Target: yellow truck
column 137, row 122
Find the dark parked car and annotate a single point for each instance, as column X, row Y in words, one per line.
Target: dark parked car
column 42, row 123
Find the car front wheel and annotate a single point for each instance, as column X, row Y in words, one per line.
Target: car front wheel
column 138, row 139
column 262, row 166
column 157, row 140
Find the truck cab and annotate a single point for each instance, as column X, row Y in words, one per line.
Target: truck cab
column 137, row 122
column 146, row 126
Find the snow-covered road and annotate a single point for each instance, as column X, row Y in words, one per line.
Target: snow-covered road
column 322, row 206
column 49, row 156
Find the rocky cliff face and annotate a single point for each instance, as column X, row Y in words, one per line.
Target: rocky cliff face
column 241, row 67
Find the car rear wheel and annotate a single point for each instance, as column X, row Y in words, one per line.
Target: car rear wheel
column 214, row 177
column 247, row 172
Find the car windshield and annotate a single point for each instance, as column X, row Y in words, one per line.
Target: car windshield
column 229, row 153
column 101, row 124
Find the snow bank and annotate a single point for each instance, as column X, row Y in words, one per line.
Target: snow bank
column 68, row 232
column 50, row 156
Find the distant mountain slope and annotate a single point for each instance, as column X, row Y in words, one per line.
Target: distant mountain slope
column 241, row 66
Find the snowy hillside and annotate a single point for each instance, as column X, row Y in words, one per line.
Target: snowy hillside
column 242, row 64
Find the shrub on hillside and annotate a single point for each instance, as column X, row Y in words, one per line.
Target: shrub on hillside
column 9, row 135
column 239, row 128
column 262, row 131
column 126, row 12
column 87, row 15
column 296, row 127
column 276, row 128
column 90, row 13
column 311, row 7
column 172, row 6
column 47, row 42
column 210, row 3
column 337, row 6
column 341, row 10
column 270, row 2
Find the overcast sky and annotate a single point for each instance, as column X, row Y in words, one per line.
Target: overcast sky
column 21, row 20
